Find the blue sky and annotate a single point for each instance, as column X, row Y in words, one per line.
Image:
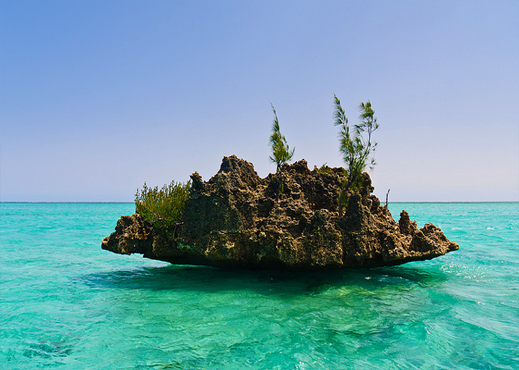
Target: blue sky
column 97, row 97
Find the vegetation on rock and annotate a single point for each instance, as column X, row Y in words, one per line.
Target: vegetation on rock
column 162, row 207
column 281, row 152
column 357, row 150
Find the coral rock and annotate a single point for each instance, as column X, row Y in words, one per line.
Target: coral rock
column 288, row 220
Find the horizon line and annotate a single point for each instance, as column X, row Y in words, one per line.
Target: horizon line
column 132, row 202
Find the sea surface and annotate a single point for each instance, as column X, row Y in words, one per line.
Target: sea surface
column 65, row 303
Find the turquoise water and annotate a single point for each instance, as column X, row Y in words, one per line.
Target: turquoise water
column 65, row 303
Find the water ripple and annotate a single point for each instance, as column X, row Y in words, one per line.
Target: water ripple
column 65, row 303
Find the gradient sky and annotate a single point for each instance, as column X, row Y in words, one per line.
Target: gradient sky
column 97, row 97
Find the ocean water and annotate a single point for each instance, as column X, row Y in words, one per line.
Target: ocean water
column 65, row 303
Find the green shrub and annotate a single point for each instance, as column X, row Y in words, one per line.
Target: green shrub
column 162, row 207
column 324, row 169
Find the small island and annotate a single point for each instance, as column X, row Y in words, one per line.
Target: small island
column 289, row 220
column 294, row 219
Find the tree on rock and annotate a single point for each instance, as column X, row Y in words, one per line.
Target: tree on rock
column 356, row 149
column 281, row 152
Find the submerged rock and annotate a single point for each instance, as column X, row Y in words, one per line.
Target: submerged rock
column 288, row 220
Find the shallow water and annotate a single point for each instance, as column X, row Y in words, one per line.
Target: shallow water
column 65, row 303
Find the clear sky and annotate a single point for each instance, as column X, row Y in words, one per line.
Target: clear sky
column 97, row 97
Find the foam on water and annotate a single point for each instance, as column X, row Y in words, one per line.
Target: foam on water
column 65, row 303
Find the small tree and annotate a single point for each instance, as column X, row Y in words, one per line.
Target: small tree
column 357, row 151
column 281, row 152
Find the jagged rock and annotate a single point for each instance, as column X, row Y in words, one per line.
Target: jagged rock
column 287, row 220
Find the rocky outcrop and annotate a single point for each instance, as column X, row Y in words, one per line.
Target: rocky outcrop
column 288, row 220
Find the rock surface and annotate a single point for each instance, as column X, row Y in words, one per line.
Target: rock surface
column 288, row 220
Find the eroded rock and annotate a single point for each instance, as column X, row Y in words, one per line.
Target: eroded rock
column 287, row 220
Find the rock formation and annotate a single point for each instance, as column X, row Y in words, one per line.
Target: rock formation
column 288, row 220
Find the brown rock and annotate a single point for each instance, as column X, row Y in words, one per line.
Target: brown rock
column 287, row 220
